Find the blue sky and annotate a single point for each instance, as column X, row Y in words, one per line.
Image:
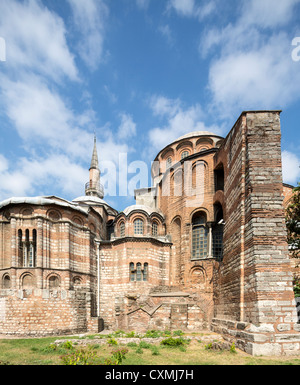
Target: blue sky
column 138, row 73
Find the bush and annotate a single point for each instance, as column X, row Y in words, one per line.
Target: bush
column 177, row 333
column 132, row 344
column 130, row 334
column 112, row 341
column 153, row 333
column 173, row 342
column 79, row 357
column 144, row 345
column 117, row 357
column 154, row 350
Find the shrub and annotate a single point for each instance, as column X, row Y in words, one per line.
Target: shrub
column 50, row 348
column 79, row 357
column 132, row 344
column 177, row 333
column 118, row 356
column 173, row 342
column 118, row 333
column 153, row 333
column 67, row 345
column 112, row 341
column 130, row 334
column 154, row 350
column 139, row 350
column 145, row 345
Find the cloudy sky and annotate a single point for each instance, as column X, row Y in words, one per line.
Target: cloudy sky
column 138, row 73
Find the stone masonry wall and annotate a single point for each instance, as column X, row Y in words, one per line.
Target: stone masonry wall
column 253, row 284
column 37, row 312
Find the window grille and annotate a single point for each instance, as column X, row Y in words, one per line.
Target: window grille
column 199, row 238
column 185, row 154
column 138, row 226
column 154, row 228
column 122, row 229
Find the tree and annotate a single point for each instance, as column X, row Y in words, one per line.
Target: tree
column 293, row 228
column 293, row 223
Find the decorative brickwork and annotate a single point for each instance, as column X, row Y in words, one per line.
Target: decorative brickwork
column 204, row 247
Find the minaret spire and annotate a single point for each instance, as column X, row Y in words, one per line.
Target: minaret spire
column 93, row 187
column 94, row 162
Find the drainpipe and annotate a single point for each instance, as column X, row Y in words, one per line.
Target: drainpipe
column 97, row 242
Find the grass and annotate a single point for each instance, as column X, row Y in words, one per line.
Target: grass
column 42, row 351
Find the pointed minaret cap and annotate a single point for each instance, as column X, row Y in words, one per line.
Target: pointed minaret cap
column 93, row 187
column 94, row 162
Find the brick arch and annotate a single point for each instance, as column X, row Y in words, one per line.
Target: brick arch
column 53, row 280
column 198, row 276
column 27, row 281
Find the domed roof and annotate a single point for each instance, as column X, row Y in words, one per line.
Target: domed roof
column 147, row 209
column 89, row 199
column 196, row 133
column 41, row 201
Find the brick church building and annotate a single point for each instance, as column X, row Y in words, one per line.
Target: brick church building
column 203, row 248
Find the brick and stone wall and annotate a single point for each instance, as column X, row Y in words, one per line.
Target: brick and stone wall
column 253, row 284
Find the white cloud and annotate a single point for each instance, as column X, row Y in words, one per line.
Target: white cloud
column 166, row 32
column 35, row 39
column 143, row 4
column 265, row 14
column 161, row 105
column 178, row 121
column 290, row 168
column 89, row 18
column 189, row 8
column 183, row 7
column 127, row 127
column 252, row 69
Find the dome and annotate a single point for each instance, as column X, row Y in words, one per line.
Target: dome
column 41, row 201
column 196, row 133
column 88, row 199
column 147, row 209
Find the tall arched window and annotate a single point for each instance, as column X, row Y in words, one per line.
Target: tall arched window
column 122, row 229
column 169, row 162
column 154, row 228
column 145, row 272
column 199, row 236
column 138, row 225
column 138, row 271
column 218, row 233
column 27, row 248
column 131, row 272
column 20, row 247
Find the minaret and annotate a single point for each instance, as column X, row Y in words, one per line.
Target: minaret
column 93, row 187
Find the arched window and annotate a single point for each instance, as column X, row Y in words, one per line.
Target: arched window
column 138, row 271
column 54, row 282
column 131, row 272
column 185, row 154
column 154, row 228
column 169, row 162
column 122, row 229
column 27, row 248
column 145, row 272
column 218, row 233
column 6, row 282
column 20, row 248
column 138, row 226
column 199, row 236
